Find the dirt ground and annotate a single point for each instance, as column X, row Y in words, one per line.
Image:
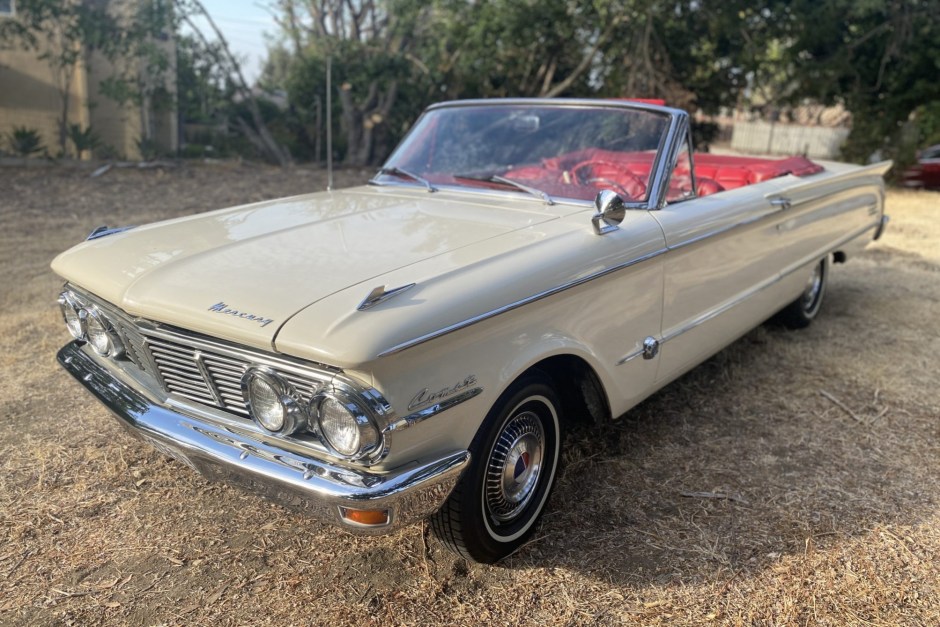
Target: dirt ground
column 825, row 440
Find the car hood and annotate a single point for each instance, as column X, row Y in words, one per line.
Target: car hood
column 240, row 274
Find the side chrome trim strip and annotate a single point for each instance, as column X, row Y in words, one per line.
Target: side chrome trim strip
column 714, row 313
column 721, row 231
column 630, row 357
column 519, row 303
column 555, row 290
column 423, row 414
column 725, row 229
column 775, row 208
column 649, row 350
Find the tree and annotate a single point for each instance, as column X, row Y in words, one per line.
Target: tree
column 67, row 34
column 255, row 129
column 392, row 57
column 204, row 90
column 881, row 58
column 142, row 65
column 370, row 44
column 508, row 48
column 64, row 32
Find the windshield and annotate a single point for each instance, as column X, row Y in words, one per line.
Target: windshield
column 561, row 151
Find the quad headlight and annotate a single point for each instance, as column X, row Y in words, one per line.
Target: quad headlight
column 273, row 402
column 73, row 313
column 101, row 335
column 344, row 425
column 86, row 322
column 340, row 421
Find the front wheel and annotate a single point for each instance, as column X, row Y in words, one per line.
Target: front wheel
column 800, row 313
column 514, row 459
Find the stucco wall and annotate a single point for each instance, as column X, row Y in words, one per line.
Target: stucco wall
column 118, row 126
column 30, row 97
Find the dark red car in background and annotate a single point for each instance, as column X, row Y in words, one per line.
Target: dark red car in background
column 926, row 172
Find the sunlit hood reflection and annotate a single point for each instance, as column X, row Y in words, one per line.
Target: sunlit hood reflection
column 265, row 262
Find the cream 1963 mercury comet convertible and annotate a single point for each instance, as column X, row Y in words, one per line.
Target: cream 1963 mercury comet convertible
column 416, row 347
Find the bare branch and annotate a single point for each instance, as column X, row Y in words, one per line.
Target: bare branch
column 272, row 148
column 841, row 406
column 585, row 62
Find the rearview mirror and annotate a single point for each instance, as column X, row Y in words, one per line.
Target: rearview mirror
column 610, row 211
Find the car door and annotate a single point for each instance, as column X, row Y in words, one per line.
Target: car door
column 622, row 310
column 722, row 251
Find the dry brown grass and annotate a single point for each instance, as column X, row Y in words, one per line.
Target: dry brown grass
column 834, row 518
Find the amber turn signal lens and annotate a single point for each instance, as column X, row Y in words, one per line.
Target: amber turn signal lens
column 369, row 517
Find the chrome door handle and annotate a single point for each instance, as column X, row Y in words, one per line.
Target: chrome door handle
column 780, row 202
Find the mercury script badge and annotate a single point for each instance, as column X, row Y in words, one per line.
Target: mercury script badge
column 426, row 396
column 222, row 308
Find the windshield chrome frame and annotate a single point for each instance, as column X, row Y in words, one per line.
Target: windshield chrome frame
column 663, row 163
column 677, row 133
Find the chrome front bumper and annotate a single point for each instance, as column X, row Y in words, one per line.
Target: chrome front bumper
column 312, row 485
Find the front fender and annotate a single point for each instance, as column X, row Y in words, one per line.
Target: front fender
column 495, row 352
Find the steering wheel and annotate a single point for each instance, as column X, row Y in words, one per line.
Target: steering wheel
column 584, row 173
column 617, row 187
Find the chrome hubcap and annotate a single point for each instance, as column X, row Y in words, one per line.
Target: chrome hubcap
column 813, row 288
column 515, row 466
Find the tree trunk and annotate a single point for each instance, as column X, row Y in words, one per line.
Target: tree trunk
column 64, row 121
column 270, row 146
column 64, row 75
column 250, row 134
column 359, row 122
column 351, row 123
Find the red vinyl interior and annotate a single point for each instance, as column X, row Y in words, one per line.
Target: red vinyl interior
column 629, row 172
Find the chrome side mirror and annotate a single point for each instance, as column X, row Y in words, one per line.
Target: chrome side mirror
column 610, row 211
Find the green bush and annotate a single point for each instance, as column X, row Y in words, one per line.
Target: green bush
column 25, row 141
column 83, row 139
column 148, row 149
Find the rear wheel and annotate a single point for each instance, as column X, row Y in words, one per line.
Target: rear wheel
column 800, row 313
column 514, row 459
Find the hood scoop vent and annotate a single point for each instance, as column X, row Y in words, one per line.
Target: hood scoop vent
column 381, row 294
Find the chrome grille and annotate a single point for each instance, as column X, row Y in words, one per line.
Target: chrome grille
column 202, row 369
column 208, row 377
column 179, row 368
column 227, row 374
column 133, row 344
